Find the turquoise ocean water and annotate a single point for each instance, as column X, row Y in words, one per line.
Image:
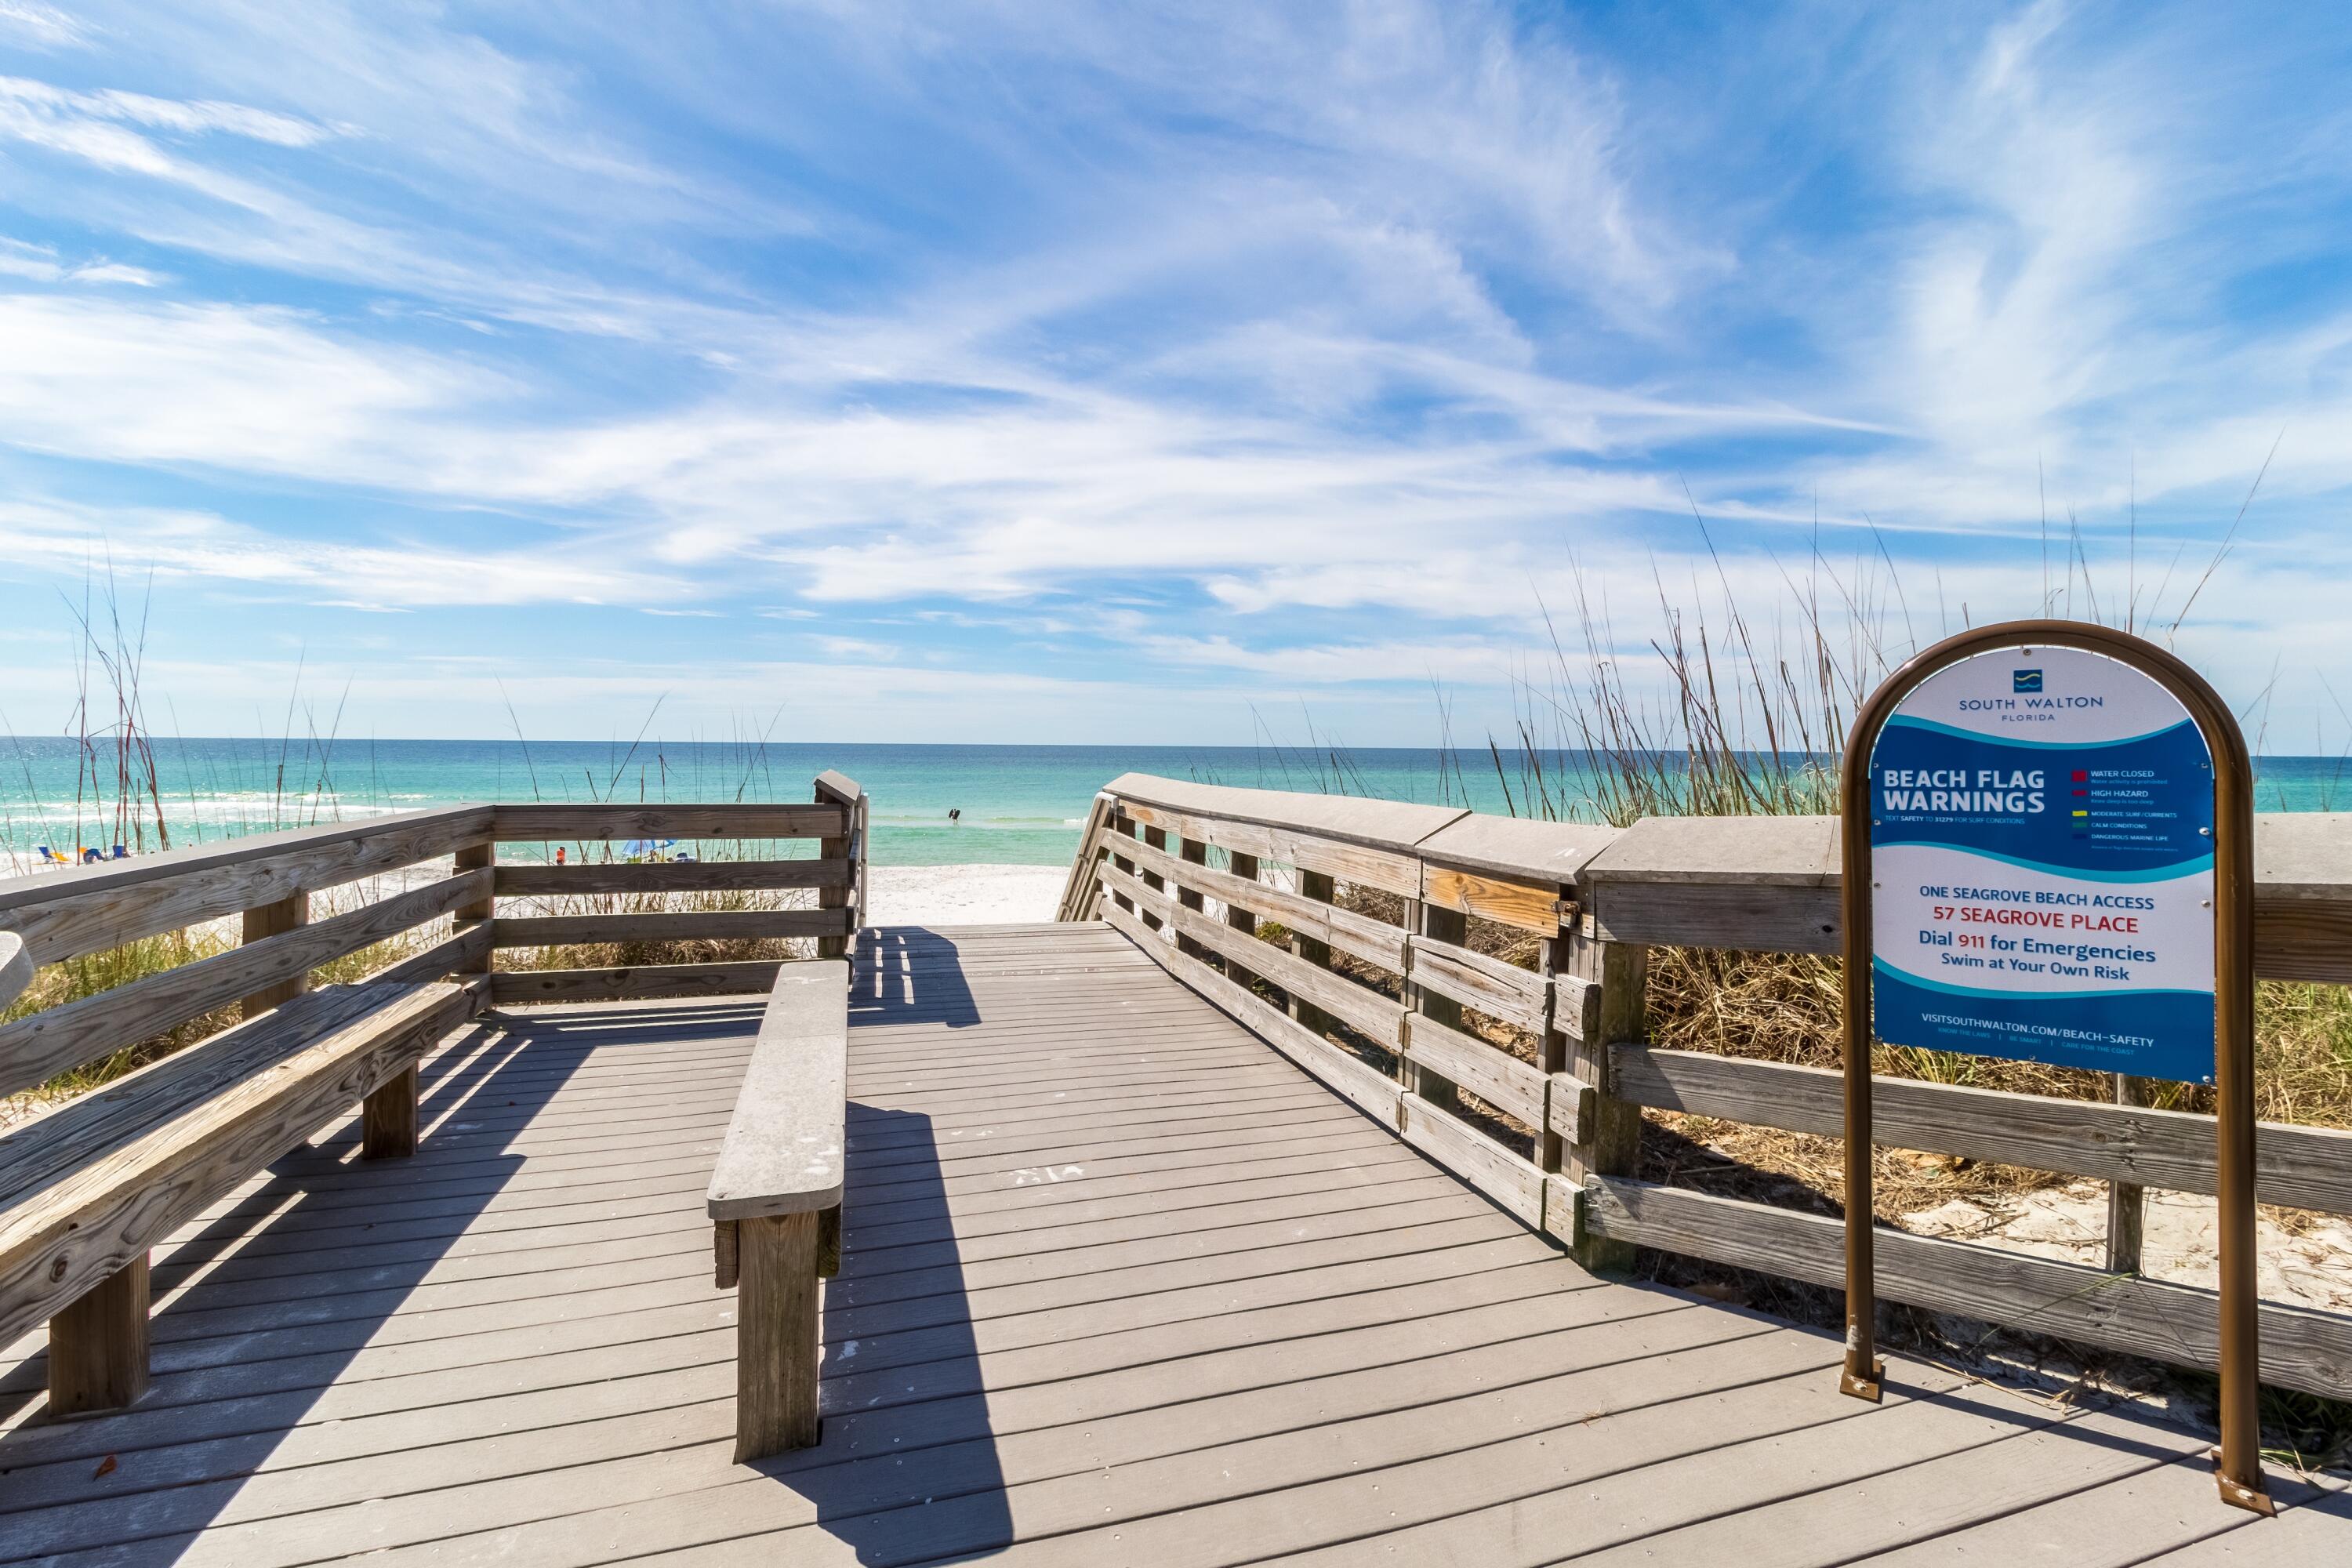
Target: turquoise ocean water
column 1019, row 805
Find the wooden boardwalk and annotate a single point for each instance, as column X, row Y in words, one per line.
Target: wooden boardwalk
column 1121, row 1285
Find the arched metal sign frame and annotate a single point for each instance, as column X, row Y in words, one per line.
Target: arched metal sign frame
column 2239, row 1470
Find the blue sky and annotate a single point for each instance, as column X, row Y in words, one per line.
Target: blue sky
column 1052, row 372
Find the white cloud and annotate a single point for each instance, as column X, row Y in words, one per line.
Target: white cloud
column 858, row 650
column 43, row 27
column 1258, row 319
column 41, row 263
column 36, row 98
column 178, row 544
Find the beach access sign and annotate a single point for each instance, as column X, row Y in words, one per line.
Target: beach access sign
column 2041, row 856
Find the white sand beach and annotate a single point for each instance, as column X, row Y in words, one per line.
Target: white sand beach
column 963, row 895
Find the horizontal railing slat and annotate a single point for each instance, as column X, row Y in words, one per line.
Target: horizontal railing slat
column 1358, row 935
column 1518, row 996
column 1365, row 1010
column 63, row 914
column 684, row 925
column 1391, row 870
column 669, row 877
column 1354, row 1080
column 1518, row 1184
column 2302, row 1167
column 1525, row 905
column 1486, row 1071
column 2301, row 1348
column 466, row 952
column 513, row 823
column 36, row 1049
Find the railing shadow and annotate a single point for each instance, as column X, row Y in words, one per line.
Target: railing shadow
column 262, row 1309
column 909, row 974
column 908, row 1465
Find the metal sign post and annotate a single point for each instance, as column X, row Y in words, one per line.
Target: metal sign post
column 2048, row 856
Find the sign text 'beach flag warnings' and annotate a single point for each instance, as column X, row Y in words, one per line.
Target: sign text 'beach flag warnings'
column 2042, row 859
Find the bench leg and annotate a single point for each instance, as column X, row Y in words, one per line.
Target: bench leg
column 98, row 1346
column 388, row 1120
column 776, row 1335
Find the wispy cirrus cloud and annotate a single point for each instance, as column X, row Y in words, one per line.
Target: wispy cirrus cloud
column 1185, row 341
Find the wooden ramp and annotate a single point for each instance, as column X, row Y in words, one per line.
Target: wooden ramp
column 1121, row 1285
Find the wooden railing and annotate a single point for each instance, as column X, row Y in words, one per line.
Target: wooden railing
column 70, row 913
column 836, row 818
column 268, row 880
column 1202, row 876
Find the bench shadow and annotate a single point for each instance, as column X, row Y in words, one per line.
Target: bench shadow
column 262, row 1308
column 906, row 1467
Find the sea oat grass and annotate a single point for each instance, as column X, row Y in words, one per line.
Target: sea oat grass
column 635, row 954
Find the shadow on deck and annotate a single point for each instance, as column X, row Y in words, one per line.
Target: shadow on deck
column 1119, row 1286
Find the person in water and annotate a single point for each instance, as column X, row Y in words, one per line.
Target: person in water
column 955, row 815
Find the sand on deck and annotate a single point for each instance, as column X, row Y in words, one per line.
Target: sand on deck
column 963, row 895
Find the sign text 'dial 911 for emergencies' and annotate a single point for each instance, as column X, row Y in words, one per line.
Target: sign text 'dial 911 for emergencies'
column 2041, row 856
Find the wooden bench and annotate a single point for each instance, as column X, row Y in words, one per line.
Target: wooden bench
column 85, row 1190
column 775, row 1204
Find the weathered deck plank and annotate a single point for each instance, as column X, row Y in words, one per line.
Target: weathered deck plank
column 1120, row 1285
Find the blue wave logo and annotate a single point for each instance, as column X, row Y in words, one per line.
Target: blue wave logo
column 2026, row 680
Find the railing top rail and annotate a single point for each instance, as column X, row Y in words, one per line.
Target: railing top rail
column 2302, row 855
column 2298, row 854
column 1754, row 851
column 1353, row 819
column 111, row 876
column 1521, row 846
column 552, row 821
column 1546, row 852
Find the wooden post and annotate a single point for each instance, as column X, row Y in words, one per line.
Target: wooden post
column 834, row 897
column 273, row 920
column 1245, row 866
column 98, row 1346
column 777, row 1342
column 1316, row 886
column 1195, row 853
column 1614, row 1145
column 2126, row 1204
column 388, row 1119
column 1158, row 838
column 476, row 857
column 1439, row 924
